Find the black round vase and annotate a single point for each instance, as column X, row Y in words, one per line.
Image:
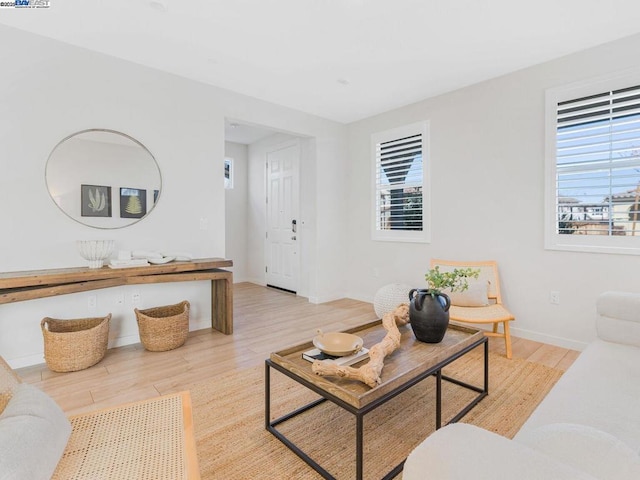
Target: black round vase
column 428, row 315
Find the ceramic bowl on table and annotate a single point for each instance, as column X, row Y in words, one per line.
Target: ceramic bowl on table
column 338, row 344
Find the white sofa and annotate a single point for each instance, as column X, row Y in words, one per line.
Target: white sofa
column 587, row 427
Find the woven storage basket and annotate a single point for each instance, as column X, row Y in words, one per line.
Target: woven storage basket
column 163, row 328
column 71, row 345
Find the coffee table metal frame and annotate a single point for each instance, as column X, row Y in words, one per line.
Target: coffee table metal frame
column 359, row 413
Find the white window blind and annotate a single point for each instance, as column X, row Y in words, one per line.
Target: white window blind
column 598, row 164
column 400, row 172
column 593, row 165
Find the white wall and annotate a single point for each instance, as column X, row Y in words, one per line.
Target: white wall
column 487, row 166
column 49, row 90
column 236, row 234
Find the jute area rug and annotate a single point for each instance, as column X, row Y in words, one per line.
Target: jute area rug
column 233, row 444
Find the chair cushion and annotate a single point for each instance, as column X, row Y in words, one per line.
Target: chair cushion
column 33, row 435
column 476, row 295
column 596, row 452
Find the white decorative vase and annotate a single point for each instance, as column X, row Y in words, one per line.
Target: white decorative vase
column 95, row 251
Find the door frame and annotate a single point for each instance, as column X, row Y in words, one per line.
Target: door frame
column 271, row 149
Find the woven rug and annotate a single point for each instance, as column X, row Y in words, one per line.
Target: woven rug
column 233, row 444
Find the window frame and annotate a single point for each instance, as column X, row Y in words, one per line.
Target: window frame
column 611, row 244
column 413, row 236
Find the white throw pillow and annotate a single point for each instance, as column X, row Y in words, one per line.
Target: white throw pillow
column 598, row 453
column 33, row 435
column 476, row 295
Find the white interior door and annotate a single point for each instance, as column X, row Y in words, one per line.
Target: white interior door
column 283, row 263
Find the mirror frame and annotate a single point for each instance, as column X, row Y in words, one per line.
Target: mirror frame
column 103, row 130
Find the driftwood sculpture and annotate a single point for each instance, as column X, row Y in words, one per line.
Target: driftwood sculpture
column 370, row 372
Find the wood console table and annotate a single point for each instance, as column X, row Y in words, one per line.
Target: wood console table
column 29, row 285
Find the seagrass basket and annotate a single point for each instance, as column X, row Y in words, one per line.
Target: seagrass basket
column 163, row 328
column 76, row 344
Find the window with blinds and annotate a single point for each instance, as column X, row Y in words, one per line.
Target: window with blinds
column 597, row 169
column 399, row 184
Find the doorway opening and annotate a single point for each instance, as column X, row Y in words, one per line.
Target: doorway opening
column 265, row 210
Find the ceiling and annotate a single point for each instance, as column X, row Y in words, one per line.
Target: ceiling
column 343, row 60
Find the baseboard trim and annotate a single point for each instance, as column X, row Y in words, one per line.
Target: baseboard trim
column 38, row 358
column 282, row 289
column 27, row 361
column 549, row 339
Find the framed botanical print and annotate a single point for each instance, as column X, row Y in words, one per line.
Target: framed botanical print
column 95, row 201
column 133, row 202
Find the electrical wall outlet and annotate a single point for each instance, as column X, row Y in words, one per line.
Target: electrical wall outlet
column 120, row 299
column 92, row 303
column 554, row 297
column 136, row 298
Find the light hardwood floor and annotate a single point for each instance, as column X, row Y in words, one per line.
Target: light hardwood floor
column 265, row 320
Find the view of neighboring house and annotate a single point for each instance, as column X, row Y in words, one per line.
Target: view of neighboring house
column 617, row 214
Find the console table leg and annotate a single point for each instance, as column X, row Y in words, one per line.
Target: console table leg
column 222, row 303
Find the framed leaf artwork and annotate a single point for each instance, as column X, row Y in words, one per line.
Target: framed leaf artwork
column 95, row 201
column 133, row 202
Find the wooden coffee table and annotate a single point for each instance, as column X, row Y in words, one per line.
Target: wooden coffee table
column 413, row 362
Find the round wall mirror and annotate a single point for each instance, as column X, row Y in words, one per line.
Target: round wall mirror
column 103, row 178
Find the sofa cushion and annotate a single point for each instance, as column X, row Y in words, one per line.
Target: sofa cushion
column 461, row 452
column 596, row 452
column 33, row 435
column 618, row 317
column 601, row 389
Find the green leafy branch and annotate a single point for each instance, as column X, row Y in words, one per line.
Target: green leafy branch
column 455, row 280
